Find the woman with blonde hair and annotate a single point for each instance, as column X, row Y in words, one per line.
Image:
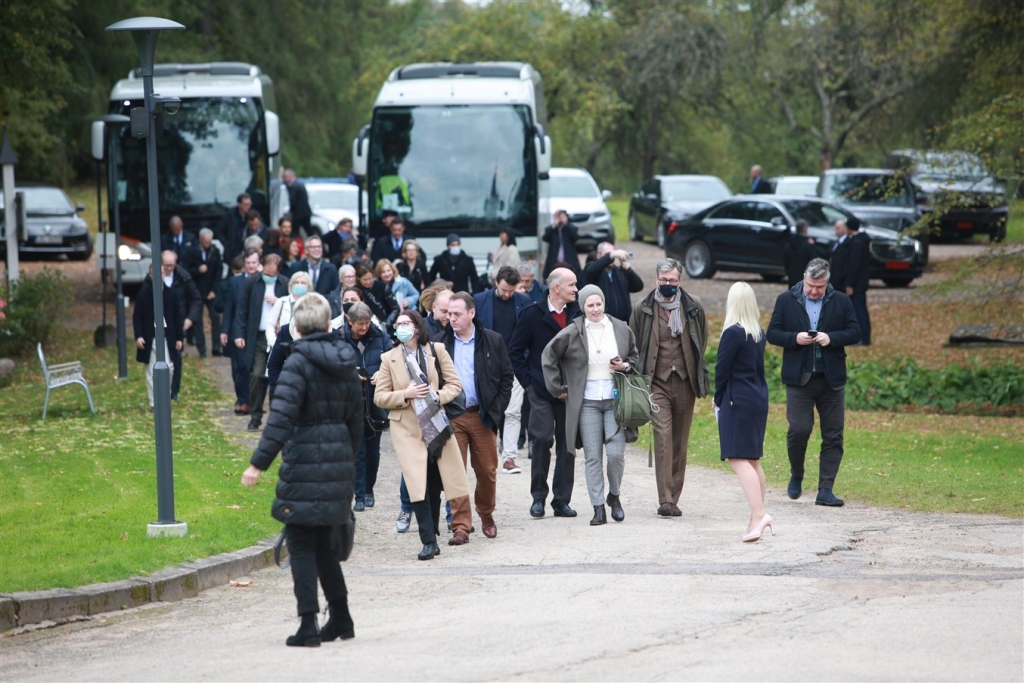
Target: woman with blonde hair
column 299, row 285
column 741, row 402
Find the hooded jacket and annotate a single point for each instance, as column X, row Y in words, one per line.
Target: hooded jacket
column 315, row 422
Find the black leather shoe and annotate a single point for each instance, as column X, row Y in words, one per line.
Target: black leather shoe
column 359, row 506
column 563, row 510
column 794, row 487
column 308, row 634
column 599, row 516
column 618, row 514
column 430, row 550
column 826, row 497
column 254, row 425
column 537, row 509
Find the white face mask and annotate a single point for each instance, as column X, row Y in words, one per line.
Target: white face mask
column 454, row 251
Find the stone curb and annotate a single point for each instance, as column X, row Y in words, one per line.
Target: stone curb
column 166, row 585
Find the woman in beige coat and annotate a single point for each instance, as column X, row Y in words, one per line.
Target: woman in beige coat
column 421, row 434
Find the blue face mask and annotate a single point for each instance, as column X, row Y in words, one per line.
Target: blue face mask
column 455, row 251
column 299, row 290
column 269, row 279
column 668, row 291
column 404, row 334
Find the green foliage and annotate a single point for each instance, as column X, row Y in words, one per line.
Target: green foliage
column 35, row 307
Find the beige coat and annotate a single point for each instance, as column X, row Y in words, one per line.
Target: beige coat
column 406, row 436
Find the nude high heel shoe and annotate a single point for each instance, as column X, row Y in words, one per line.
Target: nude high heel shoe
column 755, row 535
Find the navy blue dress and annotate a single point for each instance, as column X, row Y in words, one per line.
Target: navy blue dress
column 741, row 394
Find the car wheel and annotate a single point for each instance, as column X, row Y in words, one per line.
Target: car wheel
column 697, row 260
column 897, row 282
column 633, row 234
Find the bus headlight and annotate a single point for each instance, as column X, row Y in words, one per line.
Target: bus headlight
column 128, row 253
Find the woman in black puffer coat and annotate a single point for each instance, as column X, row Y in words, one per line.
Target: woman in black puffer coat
column 316, row 423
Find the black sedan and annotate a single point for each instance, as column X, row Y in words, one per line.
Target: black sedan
column 747, row 233
column 676, row 195
column 52, row 225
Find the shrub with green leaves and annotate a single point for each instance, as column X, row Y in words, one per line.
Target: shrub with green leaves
column 35, row 307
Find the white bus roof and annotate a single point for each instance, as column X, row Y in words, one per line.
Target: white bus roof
column 218, row 79
column 443, row 83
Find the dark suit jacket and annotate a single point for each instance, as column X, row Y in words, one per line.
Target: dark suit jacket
column 143, row 318
column 839, row 265
column 249, row 309
column 761, row 186
column 298, row 202
column 229, row 293
column 570, row 233
column 328, row 280
column 837, row 319
column 534, row 329
column 485, row 306
column 616, row 289
column 187, row 240
column 205, row 282
column 459, row 270
column 859, row 262
column 384, row 249
column 190, row 302
column 797, row 253
column 230, row 232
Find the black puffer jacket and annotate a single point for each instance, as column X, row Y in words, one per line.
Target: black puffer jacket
column 316, row 422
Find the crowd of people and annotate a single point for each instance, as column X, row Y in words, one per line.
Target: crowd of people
column 465, row 370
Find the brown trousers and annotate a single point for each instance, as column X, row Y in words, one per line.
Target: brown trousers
column 671, row 426
column 473, row 435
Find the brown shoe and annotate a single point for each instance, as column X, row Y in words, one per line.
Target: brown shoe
column 510, row 467
column 676, row 512
column 490, row 528
column 665, row 510
column 243, row 410
column 460, row 537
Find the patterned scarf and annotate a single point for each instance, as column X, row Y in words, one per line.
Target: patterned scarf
column 675, row 322
column 431, row 417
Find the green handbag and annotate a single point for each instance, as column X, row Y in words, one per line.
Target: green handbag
column 633, row 404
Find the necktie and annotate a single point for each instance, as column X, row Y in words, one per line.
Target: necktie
column 314, row 271
column 398, row 245
column 561, row 245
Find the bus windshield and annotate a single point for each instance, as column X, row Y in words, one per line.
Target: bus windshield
column 454, row 167
column 210, row 151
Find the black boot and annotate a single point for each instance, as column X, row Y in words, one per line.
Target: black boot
column 340, row 624
column 308, row 634
column 599, row 516
column 430, row 550
column 618, row 514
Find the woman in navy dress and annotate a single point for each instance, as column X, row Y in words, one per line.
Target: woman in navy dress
column 741, row 401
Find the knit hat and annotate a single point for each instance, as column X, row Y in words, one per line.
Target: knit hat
column 453, row 238
column 589, row 291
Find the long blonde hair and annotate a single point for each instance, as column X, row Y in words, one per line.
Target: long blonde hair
column 741, row 308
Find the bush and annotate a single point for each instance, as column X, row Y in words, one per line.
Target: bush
column 35, row 308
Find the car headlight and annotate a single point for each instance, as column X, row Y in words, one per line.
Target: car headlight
column 600, row 214
column 127, row 252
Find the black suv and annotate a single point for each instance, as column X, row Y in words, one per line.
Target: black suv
column 955, row 187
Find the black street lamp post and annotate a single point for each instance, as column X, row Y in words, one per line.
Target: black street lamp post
column 145, row 31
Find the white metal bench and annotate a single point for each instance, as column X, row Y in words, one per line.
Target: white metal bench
column 61, row 375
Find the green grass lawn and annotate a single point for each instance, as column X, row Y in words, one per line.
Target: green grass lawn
column 620, row 217
column 78, row 490
column 923, row 463
column 1015, row 223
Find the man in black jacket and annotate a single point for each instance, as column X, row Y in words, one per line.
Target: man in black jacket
column 143, row 324
column 813, row 323
column 613, row 274
column 839, row 258
column 250, row 330
column 389, row 247
column 857, row 276
column 190, row 307
column 537, row 326
column 298, row 204
column 322, row 273
column 232, row 227
column 797, row 253
column 482, row 364
column 561, row 237
column 230, row 292
column 203, row 263
column 457, row 267
column 179, row 240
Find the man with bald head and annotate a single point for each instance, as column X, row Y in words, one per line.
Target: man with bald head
column 758, row 184
column 537, row 325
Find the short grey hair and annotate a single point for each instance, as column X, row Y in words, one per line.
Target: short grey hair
column 359, row 312
column 299, row 276
column 253, row 241
column 817, row 269
column 312, row 314
column 525, row 268
column 667, row 265
column 206, row 232
column 346, row 269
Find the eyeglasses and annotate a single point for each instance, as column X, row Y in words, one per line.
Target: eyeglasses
column 313, row 246
column 667, row 281
column 406, row 323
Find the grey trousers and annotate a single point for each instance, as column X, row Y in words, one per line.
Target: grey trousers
column 597, row 424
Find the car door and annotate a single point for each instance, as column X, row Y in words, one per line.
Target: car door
column 768, row 236
column 647, row 207
column 728, row 231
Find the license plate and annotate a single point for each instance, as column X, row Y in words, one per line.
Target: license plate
column 49, row 239
column 964, row 225
column 897, row 265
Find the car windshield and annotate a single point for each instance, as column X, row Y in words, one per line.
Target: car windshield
column 867, row 189
column 950, row 166
column 575, row 187
column 343, row 197
column 796, row 186
column 817, row 214
column 44, row 201
column 711, row 190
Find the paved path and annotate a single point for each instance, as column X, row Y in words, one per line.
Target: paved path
column 854, row 593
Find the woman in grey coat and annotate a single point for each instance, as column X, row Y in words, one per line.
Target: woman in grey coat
column 578, row 365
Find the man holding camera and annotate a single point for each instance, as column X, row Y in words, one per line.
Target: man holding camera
column 613, row 274
column 813, row 323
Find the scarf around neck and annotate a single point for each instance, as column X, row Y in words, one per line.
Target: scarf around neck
column 430, row 416
column 675, row 321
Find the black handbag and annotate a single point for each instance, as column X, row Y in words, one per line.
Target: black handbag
column 455, row 407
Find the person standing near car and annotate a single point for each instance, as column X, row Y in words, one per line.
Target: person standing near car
column 298, row 203
column 561, row 237
column 671, row 330
column 758, row 185
column 814, row 323
column 857, row 276
column 839, row 258
column 797, row 253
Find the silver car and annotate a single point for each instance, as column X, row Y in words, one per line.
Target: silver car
column 574, row 191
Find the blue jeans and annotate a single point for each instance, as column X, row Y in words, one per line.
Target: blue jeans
column 403, row 495
column 367, row 464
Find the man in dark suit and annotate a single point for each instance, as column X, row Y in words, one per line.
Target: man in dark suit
column 178, row 239
column 758, row 185
column 839, row 258
column 322, row 273
column 203, row 263
column 498, row 310
column 143, row 319
column 457, row 267
column 389, row 247
column 230, row 293
column 537, row 325
column 857, row 276
column 561, row 237
column 190, row 307
column 231, row 232
column 250, row 330
column 298, row 203
column 613, row 274
column 797, row 253
column 814, row 323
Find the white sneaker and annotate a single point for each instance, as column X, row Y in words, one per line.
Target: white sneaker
column 509, row 467
column 402, row 523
